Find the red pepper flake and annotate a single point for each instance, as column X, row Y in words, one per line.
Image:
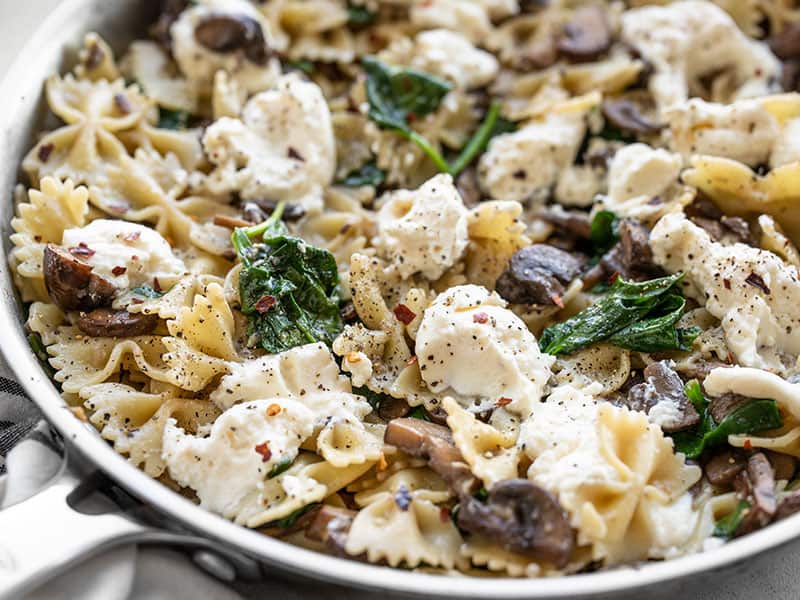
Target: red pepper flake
column 123, row 104
column 411, row 117
column 730, row 358
column 412, row 360
column 295, row 155
column 480, row 317
column 273, row 409
column 557, row 300
column 264, row 303
column 137, row 301
column 404, row 314
column 156, row 284
column 444, row 514
column 132, row 236
column 81, row 250
column 45, row 150
column 726, row 283
column 504, row 401
column 757, row 281
column 614, row 276
column 264, row 451
column 117, row 271
column 748, row 445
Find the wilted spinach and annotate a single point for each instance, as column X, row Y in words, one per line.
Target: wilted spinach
column 146, row 291
column 172, row 119
column 359, row 15
column 637, row 316
column 755, row 416
column 493, row 124
column 288, row 289
column 727, row 526
column 290, row 520
column 279, row 468
column 367, row 174
column 604, row 231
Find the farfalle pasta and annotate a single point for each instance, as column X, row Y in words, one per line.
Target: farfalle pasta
column 456, row 286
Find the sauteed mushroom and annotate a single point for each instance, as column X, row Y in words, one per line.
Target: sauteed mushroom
column 522, row 517
column 662, row 384
column 537, row 275
column 331, row 526
column 624, row 114
column 105, row 322
column 71, row 283
column 760, row 481
column 228, row 33
column 586, row 36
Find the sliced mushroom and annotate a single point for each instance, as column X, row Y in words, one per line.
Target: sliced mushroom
column 71, row 283
column 722, row 406
column 586, row 36
column 230, row 222
column 468, row 187
column 625, row 115
column 229, row 33
column 662, row 384
column 788, row 506
column 522, row 517
column 761, row 482
column 722, row 468
column 786, row 44
column 105, row 322
column 170, row 12
column 393, row 408
column 573, row 223
column 784, row 466
column 433, row 443
column 331, row 526
column 634, row 240
column 537, row 275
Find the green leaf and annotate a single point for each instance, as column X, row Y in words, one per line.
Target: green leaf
column 755, row 416
column 480, row 139
column 367, row 174
column 482, row 494
column 35, row 341
column 638, row 316
column 280, row 468
column 419, row 412
column 300, row 282
column 604, row 231
column 359, row 16
column 727, row 526
column 397, row 96
column 304, row 65
column 374, row 398
column 146, row 291
column 289, row 521
column 172, row 119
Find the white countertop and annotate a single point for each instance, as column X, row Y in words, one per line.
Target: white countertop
column 775, row 579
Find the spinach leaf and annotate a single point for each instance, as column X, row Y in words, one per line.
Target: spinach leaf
column 367, row 174
column 288, row 289
column 172, row 119
column 493, row 124
column 755, row 416
column 359, row 16
column 397, row 96
column 727, row 526
column 304, row 65
column 638, row 316
column 604, row 231
column 374, row 398
column 420, row 413
column 290, row 520
column 146, row 291
column 280, row 468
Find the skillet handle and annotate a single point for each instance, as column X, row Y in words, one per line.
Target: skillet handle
column 44, row 535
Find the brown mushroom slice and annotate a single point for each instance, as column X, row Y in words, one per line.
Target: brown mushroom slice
column 433, row 443
column 523, row 518
column 586, row 36
column 228, row 33
column 662, row 383
column 537, row 274
column 761, row 483
column 722, row 406
column 105, row 322
column 783, row 465
column 331, row 526
column 625, row 115
column 71, row 283
column 788, row 506
column 786, row 44
column 574, row 223
column 393, row 408
column 721, row 470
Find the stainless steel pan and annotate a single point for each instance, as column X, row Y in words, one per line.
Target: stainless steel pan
column 44, row 534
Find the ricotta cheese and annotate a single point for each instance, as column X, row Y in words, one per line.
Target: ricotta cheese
column 425, row 230
column 686, row 41
column 525, row 164
column 469, row 343
column 199, row 64
column 752, row 291
column 640, row 180
column 451, row 56
column 281, row 148
column 128, row 254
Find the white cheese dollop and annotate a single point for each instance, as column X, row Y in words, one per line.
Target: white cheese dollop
column 199, row 64
column 128, row 254
column 526, row 163
column 282, row 148
column 468, row 342
column 686, row 41
column 293, row 373
column 752, row 291
column 450, row 55
column 424, row 230
column 640, row 179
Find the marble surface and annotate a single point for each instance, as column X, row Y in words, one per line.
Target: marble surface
column 776, row 577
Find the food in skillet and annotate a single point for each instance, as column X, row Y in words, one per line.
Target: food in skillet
column 462, row 285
